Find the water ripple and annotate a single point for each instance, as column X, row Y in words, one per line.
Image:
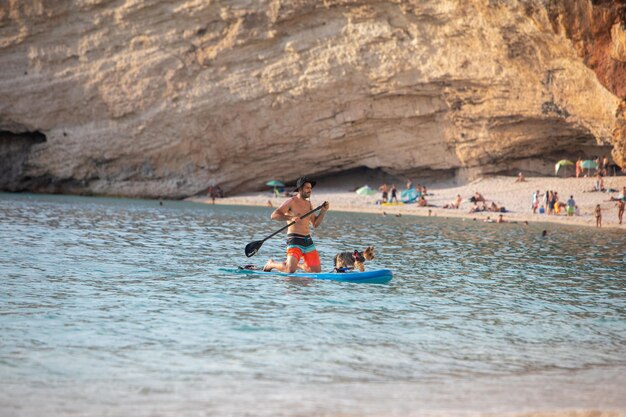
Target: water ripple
column 100, row 297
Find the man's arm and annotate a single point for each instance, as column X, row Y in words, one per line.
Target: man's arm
column 282, row 212
column 317, row 220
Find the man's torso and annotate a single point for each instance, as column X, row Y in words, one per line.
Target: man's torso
column 298, row 207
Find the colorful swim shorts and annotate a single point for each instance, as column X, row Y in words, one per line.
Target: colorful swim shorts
column 300, row 247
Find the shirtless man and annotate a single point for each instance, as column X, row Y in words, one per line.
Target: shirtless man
column 299, row 242
column 455, row 204
column 385, row 190
column 620, row 210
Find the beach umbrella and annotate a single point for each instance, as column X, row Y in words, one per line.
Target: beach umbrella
column 275, row 183
column 588, row 164
column 562, row 162
column 366, row 190
column 408, row 195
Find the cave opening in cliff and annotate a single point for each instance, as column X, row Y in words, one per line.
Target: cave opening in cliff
column 14, row 151
column 542, row 163
column 7, row 136
column 374, row 177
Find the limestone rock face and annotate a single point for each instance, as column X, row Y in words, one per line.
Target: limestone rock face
column 598, row 32
column 165, row 98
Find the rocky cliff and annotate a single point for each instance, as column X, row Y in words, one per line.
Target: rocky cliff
column 597, row 30
column 165, row 98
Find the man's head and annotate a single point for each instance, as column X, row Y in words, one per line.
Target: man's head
column 304, row 185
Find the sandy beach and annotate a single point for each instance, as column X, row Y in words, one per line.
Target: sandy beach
column 503, row 190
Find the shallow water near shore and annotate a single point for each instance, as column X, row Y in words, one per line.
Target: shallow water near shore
column 117, row 307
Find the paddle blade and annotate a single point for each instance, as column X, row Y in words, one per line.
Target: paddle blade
column 253, row 247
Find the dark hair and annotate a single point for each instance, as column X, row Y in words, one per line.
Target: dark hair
column 303, row 180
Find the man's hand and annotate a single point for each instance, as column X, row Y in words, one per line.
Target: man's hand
column 326, row 206
column 295, row 219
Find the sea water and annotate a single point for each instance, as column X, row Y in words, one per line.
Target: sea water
column 118, row 307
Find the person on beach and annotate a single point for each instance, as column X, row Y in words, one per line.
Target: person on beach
column 546, row 201
column 621, row 203
column 621, row 196
column 520, row 178
column 599, row 182
column 476, row 208
column 394, row 194
column 620, row 210
column 215, row 191
column 477, row 198
column 598, row 212
column 409, row 184
column 551, row 202
column 557, row 204
column 571, row 206
column 456, row 203
column 299, row 243
column 579, row 168
column 385, row 190
column 212, row 192
column 535, row 201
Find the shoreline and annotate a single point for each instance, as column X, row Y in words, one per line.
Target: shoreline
column 503, row 190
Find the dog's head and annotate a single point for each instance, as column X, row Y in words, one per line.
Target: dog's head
column 368, row 253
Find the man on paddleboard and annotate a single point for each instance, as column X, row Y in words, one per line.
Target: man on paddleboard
column 299, row 242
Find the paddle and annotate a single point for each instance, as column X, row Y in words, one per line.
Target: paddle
column 253, row 247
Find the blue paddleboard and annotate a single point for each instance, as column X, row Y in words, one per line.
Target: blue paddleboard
column 379, row 276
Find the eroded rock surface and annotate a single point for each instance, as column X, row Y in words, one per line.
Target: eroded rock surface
column 165, row 98
column 597, row 30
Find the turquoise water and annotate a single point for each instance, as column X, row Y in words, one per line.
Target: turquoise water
column 117, row 307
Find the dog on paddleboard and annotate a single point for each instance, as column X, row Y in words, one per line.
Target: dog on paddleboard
column 353, row 260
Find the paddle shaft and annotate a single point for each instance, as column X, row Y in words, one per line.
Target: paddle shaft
column 292, row 223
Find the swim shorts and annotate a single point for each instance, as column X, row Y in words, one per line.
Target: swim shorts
column 302, row 247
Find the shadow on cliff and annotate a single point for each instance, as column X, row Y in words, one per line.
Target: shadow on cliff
column 14, row 152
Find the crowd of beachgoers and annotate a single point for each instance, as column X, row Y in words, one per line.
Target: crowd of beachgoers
column 548, row 202
column 587, row 198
